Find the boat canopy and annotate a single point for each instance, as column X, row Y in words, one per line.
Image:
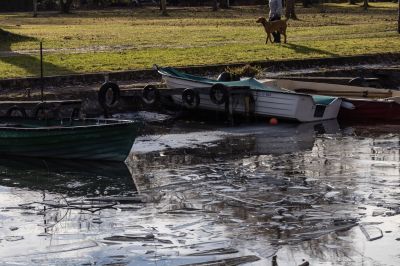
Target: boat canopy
column 245, row 82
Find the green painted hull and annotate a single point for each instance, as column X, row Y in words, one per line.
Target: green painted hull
column 89, row 139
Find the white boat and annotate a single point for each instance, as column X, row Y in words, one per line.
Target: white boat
column 268, row 101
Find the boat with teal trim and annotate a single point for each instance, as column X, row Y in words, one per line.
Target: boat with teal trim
column 89, row 139
column 269, row 101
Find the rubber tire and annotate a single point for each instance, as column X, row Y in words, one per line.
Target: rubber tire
column 21, row 110
column 214, row 90
column 190, row 98
column 102, row 95
column 146, row 93
column 39, row 107
column 75, row 113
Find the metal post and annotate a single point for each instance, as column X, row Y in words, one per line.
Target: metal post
column 41, row 72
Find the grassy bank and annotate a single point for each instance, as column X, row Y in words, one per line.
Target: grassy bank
column 130, row 39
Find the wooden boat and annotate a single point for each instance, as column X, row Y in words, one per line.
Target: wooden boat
column 90, row 139
column 268, row 101
column 331, row 89
column 363, row 104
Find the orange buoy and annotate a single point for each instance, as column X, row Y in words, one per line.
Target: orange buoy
column 273, row 121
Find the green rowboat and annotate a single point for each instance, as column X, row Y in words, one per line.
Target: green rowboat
column 90, row 139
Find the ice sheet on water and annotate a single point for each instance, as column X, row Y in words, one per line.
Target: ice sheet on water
column 13, row 238
column 144, row 115
column 72, row 246
column 154, row 143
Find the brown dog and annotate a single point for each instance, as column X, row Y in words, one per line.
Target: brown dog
column 272, row 26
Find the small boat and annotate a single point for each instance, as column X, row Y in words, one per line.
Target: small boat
column 268, row 101
column 362, row 104
column 89, row 139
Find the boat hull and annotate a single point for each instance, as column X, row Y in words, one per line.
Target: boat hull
column 286, row 105
column 366, row 110
column 368, row 104
column 111, row 142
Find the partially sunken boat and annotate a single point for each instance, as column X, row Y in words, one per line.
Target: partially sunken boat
column 89, row 139
column 267, row 101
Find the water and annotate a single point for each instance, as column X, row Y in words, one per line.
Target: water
column 194, row 193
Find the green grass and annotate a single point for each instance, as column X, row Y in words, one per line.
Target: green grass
column 91, row 41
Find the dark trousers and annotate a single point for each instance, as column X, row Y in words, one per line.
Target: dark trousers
column 276, row 34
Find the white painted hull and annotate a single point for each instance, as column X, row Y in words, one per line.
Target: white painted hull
column 286, row 105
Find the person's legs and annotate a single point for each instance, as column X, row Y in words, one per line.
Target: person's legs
column 276, row 34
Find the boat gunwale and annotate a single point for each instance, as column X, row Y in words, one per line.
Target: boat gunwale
column 59, row 127
column 256, row 90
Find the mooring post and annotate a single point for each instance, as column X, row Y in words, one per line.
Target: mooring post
column 229, row 108
column 28, row 93
column 247, row 107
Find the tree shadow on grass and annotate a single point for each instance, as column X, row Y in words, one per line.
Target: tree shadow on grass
column 31, row 64
column 301, row 49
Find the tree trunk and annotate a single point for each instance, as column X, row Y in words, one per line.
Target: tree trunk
column 215, row 5
column 365, row 5
column 34, row 8
column 65, row 6
column 290, row 12
column 164, row 7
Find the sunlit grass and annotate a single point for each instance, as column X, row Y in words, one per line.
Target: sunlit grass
column 136, row 39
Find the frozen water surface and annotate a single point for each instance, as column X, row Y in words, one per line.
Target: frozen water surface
column 251, row 194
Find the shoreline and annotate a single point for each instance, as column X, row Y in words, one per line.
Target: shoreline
column 143, row 75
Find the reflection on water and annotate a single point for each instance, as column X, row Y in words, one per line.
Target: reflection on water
column 73, row 178
column 301, row 192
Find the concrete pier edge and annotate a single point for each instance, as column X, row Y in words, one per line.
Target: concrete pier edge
column 150, row 74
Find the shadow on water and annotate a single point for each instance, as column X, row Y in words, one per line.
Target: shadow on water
column 69, row 177
column 30, row 64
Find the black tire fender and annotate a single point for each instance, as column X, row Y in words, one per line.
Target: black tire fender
column 75, row 113
column 150, row 94
column 190, row 98
column 107, row 100
column 40, row 107
column 17, row 109
column 220, row 89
